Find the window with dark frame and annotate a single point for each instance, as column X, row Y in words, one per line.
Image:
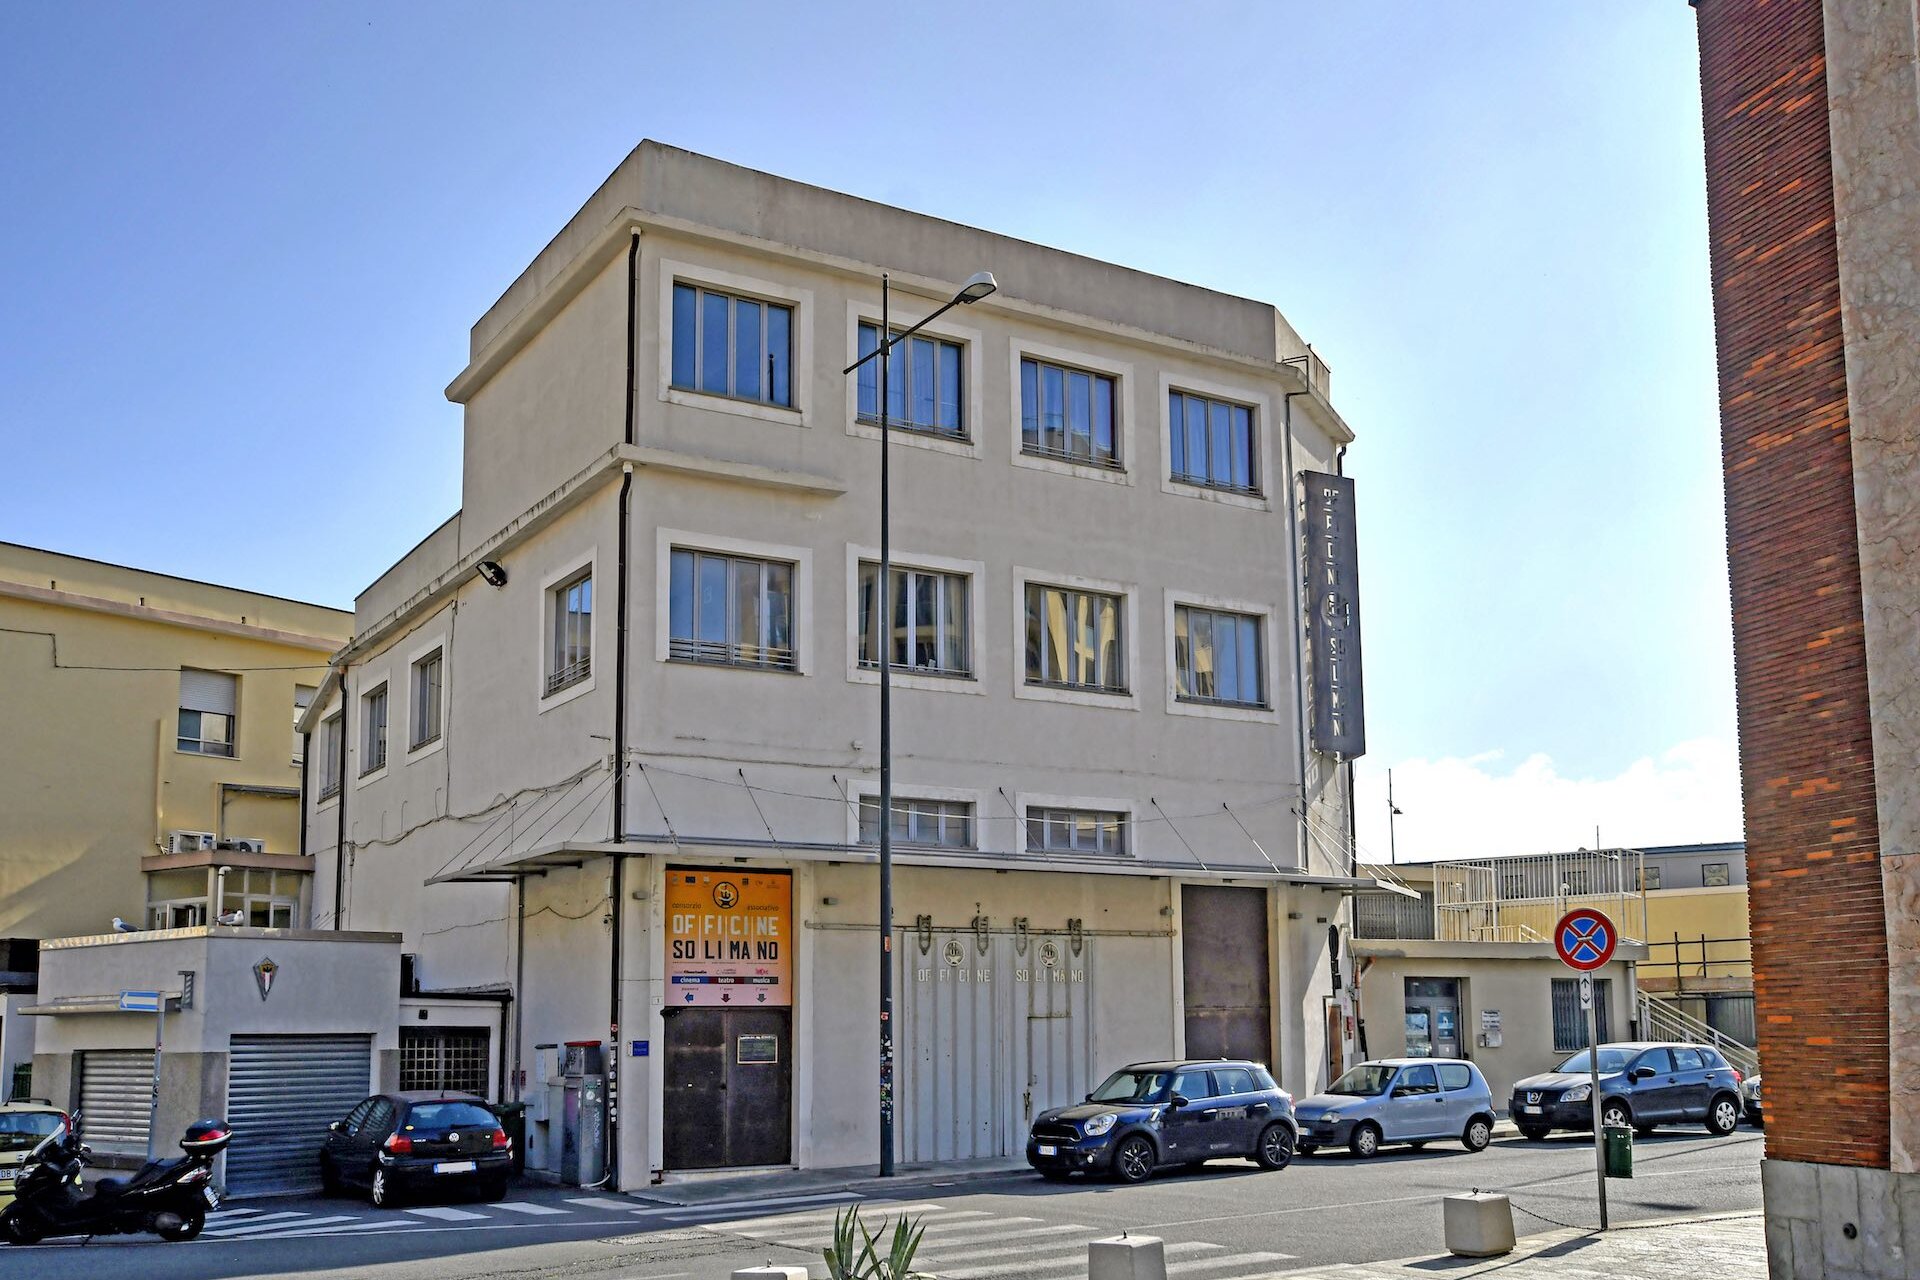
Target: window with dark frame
column 1218, row 658
column 1075, row 639
column 570, row 606
column 1211, row 443
column 1069, row 414
column 734, row 611
column 426, row 699
column 926, row 379
column 929, row 612
column 1570, row 1020
column 733, row 346
column 209, row 703
column 1713, row 875
column 302, row 699
column 373, row 729
column 1058, row 830
column 331, row 729
column 946, row 824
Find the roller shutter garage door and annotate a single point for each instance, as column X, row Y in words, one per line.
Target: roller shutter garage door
column 116, row 1100
column 282, row 1093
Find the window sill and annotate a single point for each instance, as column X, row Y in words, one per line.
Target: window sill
column 717, row 403
column 1238, row 491
column 678, row 661
column 1250, row 499
column 1245, row 712
column 1078, row 695
column 959, row 446
column 563, row 694
column 228, row 754
column 906, row 678
column 426, row 748
column 1086, row 469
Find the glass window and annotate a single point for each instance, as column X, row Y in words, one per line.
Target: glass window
column 731, row 610
column 570, row 608
column 1133, row 1086
column 450, row 1115
column 426, row 699
column 1420, row 1079
column 1192, row 1085
column 924, row 390
column 1650, row 878
column 732, row 346
column 373, row 730
column 1688, row 1060
column 1067, row 413
column 1455, row 1075
column 1570, row 1020
column 1074, row 639
column 208, row 703
column 1211, row 442
column 1231, row 1080
column 943, row 823
column 1368, row 1080
column 1217, row 657
column 357, row 1117
column 302, row 699
column 929, row 620
column 1076, row 831
column 330, row 734
column 1714, row 875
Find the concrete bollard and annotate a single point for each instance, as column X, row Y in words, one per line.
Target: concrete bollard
column 1127, row 1258
column 1479, row 1225
column 770, row 1272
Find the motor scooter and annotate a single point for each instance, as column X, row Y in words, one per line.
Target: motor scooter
column 169, row 1198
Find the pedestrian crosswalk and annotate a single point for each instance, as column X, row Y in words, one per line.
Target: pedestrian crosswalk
column 976, row 1244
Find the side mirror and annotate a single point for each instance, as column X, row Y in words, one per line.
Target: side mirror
column 1643, row 1073
column 334, row 1127
column 1180, row 1100
column 1089, row 1098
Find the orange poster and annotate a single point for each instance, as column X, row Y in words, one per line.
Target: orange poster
column 729, row 937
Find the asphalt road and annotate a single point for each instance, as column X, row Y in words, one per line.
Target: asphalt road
column 1229, row 1221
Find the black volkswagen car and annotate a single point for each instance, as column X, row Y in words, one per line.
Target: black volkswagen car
column 1641, row 1084
column 396, row 1143
column 1153, row 1114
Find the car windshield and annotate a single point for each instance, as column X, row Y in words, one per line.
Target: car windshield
column 1368, row 1080
column 1610, row 1060
column 23, row 1130
column 450, row 1115
column 1133, row 1086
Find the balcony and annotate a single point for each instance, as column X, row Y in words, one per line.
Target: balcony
column 1506, row 899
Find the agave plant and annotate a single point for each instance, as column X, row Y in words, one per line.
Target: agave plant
column 855, row 1252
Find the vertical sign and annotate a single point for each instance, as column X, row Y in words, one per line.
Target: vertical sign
column 1333, row 616
column 729, row 937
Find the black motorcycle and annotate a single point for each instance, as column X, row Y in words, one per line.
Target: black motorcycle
column 169, row 1198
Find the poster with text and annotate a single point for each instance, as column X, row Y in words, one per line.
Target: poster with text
column 729, row 937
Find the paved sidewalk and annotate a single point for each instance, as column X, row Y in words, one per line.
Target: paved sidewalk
column 1724, row 1248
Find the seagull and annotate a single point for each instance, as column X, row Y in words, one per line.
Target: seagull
column 121, row 926
column 236, row 916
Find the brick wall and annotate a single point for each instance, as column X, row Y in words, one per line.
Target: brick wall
column 1806, row 750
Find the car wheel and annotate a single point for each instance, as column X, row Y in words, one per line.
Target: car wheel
column 1365, row 1141
column 384, row 1193
column 1276, row 1147
column 1614, row 1114
column 1723, row 1116
column 1477, row 1134
column 1055, row 1175
column 192, row 1221
column 1133, row 1159
column 1533, row 1133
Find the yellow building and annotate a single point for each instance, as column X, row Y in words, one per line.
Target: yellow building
column 149, row 768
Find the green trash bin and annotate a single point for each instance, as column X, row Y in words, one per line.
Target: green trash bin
column 1618, row 1144
column 513, row 1118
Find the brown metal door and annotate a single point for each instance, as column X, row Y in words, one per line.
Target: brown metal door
column 696, row 1088
column 1225, row 972
column 729, row 1088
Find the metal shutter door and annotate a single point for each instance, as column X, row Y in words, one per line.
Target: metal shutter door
column 282, row 1093
column 116, row 1099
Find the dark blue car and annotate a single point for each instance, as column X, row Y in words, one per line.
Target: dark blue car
column 1152, row 1114
column 1644, row 1085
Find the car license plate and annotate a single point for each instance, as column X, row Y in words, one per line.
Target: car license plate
column 212, row 1197
column 7, row 1175
column 454, row 1166
column 1532, row 1111
column 1046, row 1150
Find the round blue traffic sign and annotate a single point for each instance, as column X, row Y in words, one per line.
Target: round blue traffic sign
column 1585, row 939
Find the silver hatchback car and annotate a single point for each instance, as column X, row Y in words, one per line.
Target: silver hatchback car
column 1410, row 1100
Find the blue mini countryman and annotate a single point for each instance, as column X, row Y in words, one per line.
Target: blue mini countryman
column 1153, row 1114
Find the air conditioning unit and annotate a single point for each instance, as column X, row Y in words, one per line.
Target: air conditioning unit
column 190, row 841
column 244, row 844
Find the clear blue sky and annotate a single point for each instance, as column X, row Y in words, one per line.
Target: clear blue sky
column 243, row 245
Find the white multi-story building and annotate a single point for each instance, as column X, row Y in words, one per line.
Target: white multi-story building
column 607, row 740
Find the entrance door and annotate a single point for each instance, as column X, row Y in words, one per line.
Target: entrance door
column 728, row 1080
column 282, row 1093
column 1433, row 1018
column 1229, row 1012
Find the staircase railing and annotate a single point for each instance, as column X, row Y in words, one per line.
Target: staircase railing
column 1663, row 1020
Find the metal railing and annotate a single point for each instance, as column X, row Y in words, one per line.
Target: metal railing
column 1521, row 899
column 1661, row 1020
column 1709, row 963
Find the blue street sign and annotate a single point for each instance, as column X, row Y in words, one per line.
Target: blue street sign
column 140, row 1001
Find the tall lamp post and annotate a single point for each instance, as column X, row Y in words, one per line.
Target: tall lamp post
column 977, row 286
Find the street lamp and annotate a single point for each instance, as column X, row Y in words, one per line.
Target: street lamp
column 977, row 286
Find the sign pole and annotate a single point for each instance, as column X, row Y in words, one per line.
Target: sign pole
column 1593, row 1076
column 153, row 1106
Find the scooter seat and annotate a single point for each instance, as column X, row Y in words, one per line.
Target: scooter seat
column 109, row 1186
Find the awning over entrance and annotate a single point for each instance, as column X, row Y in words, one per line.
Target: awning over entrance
column 540, row 859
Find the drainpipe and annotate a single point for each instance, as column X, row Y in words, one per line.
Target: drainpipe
column 340, row 837
column 306, row 746
column 615, row 888
column 1300, row 600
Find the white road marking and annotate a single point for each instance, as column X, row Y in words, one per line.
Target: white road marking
column 522, row 1206
column 773, row 1202
column 447, row 1215
column 602, row 1202
column 1231, row 1260
column 257, row 1216
column 262, row 1229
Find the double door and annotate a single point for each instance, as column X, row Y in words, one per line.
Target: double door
column 729, row 1087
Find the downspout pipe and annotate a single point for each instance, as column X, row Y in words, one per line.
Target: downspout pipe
column 340, row 836
column 306, row 747
column 616, row 891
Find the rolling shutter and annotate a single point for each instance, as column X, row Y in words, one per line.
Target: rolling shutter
column 282, row 1093
column 116, row 1099
column 211, row 691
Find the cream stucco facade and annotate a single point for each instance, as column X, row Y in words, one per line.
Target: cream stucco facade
column 523, row 840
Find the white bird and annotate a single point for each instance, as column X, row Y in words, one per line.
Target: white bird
column 121, row 926
column 235, row 916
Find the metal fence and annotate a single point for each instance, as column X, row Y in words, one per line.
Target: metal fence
column 1390, row 916
column 1521, row 899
